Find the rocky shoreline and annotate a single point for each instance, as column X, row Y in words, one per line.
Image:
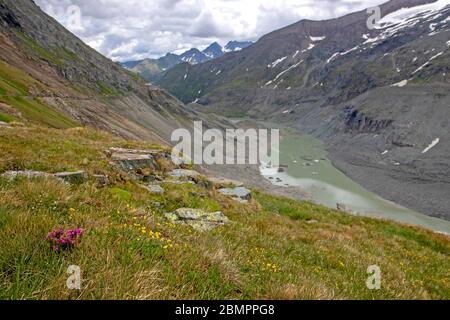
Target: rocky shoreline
column 429, row 198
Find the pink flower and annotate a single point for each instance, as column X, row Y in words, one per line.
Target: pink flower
column 60, row 239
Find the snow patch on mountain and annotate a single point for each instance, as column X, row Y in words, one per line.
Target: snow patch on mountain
column 400, row 84
column 333, row 57
column 287, row 70
column 403, row 15
column 428, row 62
column 316, row 39
column 432, row 145
column 276, row 62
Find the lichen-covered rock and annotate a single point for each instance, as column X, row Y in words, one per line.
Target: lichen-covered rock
column 29, row 174
column 198, row 219
column 131, row 162
column 239, row 194
column 72, row 177
column 136, row 161
column 176, row 182
column 101, row 179
column 183, row 173
column 224, row 183
column 155, row 189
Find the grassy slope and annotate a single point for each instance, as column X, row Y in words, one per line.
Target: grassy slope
column 275, row 248
column 15, row 91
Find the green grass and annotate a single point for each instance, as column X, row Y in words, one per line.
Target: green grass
column 5, row 118
column 55, row 56
column 275, row 248
column 14, row 81
column 33, row 109
column 106, row 90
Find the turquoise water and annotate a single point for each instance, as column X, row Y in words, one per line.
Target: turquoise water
column 309, row 167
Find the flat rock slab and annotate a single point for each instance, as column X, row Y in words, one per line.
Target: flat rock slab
column 70, row 177
column 28, row 174
column 239, row 194
column 198, row 219
column 183, row 173
column 223, row 183
column 134, row 161
column 176, row 182
column 134, row 151
column 155, row 189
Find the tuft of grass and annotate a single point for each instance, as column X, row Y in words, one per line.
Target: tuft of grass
column 121, row 194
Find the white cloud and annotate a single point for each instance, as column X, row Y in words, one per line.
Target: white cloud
column 136, row 29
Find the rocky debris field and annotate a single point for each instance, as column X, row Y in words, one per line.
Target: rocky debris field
column 154, row 169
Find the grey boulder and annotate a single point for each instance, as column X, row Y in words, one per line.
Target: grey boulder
column 198, row 219
column 239, row 194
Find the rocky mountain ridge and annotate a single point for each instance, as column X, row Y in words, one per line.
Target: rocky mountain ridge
column 153, row 69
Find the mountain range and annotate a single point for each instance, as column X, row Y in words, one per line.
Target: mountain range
column 152, row 69
column 378, row 97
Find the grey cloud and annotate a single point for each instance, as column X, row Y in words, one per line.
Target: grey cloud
column 136, row 29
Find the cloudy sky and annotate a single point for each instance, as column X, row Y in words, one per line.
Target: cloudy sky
column 137, row 29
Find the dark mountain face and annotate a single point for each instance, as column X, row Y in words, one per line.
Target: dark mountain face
column 153, row 69
column 237, row 45
column 193, row 56
column 214, row 51
column 49, row 76
column 363, row 91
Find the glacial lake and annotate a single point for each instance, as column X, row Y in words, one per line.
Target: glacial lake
column 309, row 167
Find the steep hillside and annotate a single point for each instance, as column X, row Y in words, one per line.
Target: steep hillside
column 271, row 248
column 379, row 96
column 49, row 76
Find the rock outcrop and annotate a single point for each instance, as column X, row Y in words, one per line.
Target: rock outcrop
column 224, row 183
column 72, row 177
column 154, row 189
column 69, row 177
column 183, row 173
column 198, row 219
column 240, row 194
